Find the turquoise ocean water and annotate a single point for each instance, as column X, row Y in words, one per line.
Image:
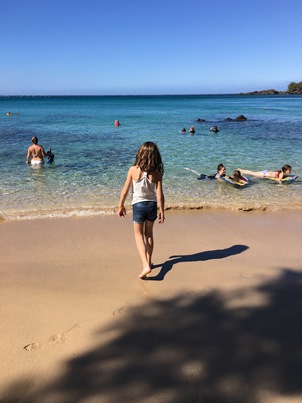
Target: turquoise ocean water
column 93, row 156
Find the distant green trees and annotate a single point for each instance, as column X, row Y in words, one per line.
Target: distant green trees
column 295, row 87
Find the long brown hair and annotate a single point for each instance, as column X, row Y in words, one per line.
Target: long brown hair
column 148, row 158
column 237, row 175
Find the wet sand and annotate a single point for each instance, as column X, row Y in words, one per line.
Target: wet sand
column 219, row 318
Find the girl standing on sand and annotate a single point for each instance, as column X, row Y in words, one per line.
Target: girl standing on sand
column 145, row 177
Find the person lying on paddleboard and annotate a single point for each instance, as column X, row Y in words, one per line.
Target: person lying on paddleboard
column 238, row 178
column 279, row 174
column 221, row 171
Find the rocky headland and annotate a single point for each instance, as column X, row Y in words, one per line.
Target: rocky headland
column 292, row 89
column 272, row 92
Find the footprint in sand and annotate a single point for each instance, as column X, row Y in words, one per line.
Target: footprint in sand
column 53, row 340
column 32, row 347
column 247, row 274
column 120, row 311
column 62, row 338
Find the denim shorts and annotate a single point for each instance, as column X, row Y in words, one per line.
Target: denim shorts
column 142, row 211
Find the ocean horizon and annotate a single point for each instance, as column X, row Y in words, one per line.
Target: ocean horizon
column 92, row 156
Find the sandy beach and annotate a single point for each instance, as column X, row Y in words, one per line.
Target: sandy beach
column 219, row 319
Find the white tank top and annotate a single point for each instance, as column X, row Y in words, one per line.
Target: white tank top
column 143, row 190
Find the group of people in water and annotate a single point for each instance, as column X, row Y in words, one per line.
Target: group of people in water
column 191, row 130
column 237, row 176
column 213, row 129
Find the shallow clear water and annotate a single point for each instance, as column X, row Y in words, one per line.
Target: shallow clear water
column 93, row 156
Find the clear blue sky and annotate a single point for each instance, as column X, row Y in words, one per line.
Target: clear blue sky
column 100, row 47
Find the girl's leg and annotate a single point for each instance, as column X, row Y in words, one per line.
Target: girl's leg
column 258, row 174
column 149, row 240
column 141, row 247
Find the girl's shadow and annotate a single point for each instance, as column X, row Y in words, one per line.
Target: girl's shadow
column 196, row 257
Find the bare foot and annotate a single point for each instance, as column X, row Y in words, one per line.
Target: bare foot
column 145, row 271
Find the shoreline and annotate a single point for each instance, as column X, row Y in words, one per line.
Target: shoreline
column 75, row 316
column 112, row 211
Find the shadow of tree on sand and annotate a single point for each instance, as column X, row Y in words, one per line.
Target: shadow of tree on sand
column 213, row 348
column 196, row 257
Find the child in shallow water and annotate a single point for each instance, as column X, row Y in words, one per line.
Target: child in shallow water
column 221, row 170
column 278, row 174
column 238, row 178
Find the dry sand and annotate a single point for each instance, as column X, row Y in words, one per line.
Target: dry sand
column 219, row 320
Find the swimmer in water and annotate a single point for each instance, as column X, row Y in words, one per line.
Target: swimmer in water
column 221, row 171
column 214, row 129
column 238, row 178
column 279, row 174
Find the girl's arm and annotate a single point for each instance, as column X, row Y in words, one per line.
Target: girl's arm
column 124, row 194
column 243, row 180
column 160, row 200
column 281, row 176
